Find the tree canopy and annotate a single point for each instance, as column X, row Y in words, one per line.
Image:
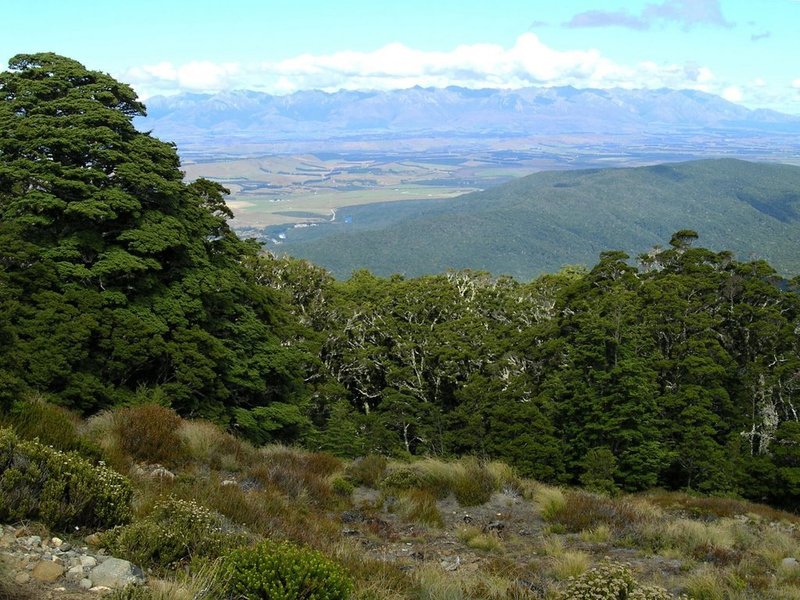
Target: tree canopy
column 117, row 277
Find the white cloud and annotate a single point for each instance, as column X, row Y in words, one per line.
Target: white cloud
column 796, row 82
column 529, row 62
column 732, row 94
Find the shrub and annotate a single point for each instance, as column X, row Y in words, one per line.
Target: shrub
column 61, row 489
column 175, row 532
column 402, row 479
column 342, row 487
column 50, row 424
column 149, row 432
column 367, row 470
column 611, row 582
column 283, row 571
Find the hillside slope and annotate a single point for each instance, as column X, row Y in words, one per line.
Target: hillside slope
column 546, row 220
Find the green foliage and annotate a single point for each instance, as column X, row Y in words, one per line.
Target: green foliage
column 118, row 278
column 600, row 466
column 367, row 470
column 61, row 489
column 49, row 424
column 175, row 532
column 283, row 571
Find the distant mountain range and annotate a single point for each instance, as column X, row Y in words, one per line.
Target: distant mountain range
column 544, row 221
column 243, row 117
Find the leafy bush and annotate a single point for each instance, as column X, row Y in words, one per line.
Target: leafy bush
column 612, row 582
column 342, row 487
column 283, row 571
column 402, row 479
column 150, row 432
column 176, row 531
column 61, row 489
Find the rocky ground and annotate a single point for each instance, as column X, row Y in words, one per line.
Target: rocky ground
column 47, row 567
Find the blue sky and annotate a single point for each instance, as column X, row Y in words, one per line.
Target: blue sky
column 744, row 50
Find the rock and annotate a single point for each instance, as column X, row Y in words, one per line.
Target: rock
column 790, row 562
column 75, row 572
column 86, row 583
column 32, row 541
column 92, row 539
column 100, row 589
column 229, row 482
column 116, row 573
column 88, row 561
column 56, row 542
column 47, row 570
column 162, row 473
column 22, row 577
column 496, row 526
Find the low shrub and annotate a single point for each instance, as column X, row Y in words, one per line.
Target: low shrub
column 402, row 479
column 342, row 487
column 612, row 582
column 52, row 425
column 175, row 532
column 61, row 489
column 208, row 444
column 283, row 571
column 150, row 433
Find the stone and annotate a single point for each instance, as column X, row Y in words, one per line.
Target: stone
column 790, row 562
column 88, row 561
column 56, row 542
column 86, row 583
column 116, row 573
column 92, row 539
column 100, row 589
column 22, row 577
column 75, row 572
column 47, row 570
column 32, row 541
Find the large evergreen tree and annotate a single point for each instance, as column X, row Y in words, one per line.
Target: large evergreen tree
column 118, row 279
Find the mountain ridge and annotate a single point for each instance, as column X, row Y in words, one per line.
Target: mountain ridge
column 250, row 115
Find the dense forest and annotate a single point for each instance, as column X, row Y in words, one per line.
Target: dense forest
column 122, row 284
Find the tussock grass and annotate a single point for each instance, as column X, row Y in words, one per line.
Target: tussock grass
column 551, row 501
column 208, row 444
column 570, row 563
column 419, row 506
column 597, row 535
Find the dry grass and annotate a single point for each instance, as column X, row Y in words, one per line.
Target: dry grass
column 149, row 433
column 208, row 444
column 419, row 506
column 570, row 563
column 550, row 501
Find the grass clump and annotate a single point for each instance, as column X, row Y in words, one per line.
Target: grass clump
column 284, row 571
column 570, row 563
column 174, row 533
column 473, row 484
column 367, row 470
column 61, row 489
column 419, row 506
column 206, row 443
column 551, row 501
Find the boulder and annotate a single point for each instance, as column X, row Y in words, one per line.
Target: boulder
column 47, row 570
column 116, row 573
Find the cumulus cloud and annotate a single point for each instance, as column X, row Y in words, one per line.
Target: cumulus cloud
column 686, row 13
column 529, row 62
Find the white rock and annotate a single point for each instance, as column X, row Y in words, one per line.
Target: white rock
column 86, row 583
column 116, row 573
column 88, row 561
column 56, row 542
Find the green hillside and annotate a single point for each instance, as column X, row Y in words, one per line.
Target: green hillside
column 541, row 222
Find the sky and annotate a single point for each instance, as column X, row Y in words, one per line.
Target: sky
column 743, row 50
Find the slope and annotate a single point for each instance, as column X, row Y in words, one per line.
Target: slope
column 546, row 220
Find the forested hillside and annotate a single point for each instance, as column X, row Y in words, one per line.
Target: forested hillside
column 120, row 283
column 538, row 223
